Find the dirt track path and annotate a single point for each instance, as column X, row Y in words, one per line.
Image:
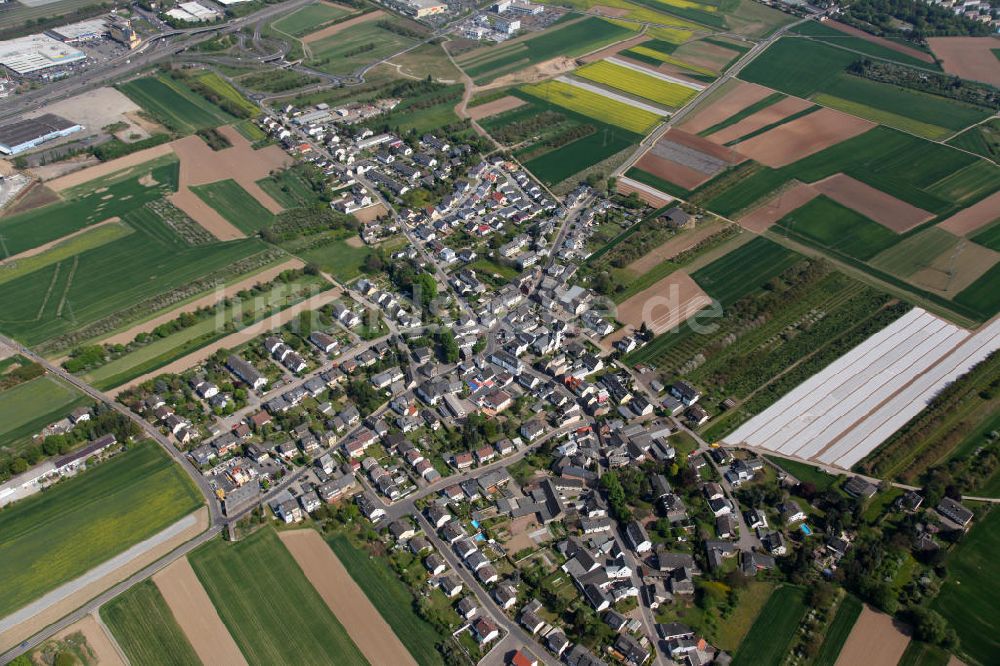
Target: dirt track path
column 366, row 627
column 196, row 615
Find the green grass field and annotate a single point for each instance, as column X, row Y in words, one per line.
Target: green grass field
column 333, row 255
column 990, row 236
column 983, row 139
column 270, row 607
column 310, row 18
column 87, row 239
column 826, row 223
column 734, row 628
column 146, row 630
column 231, row 95
column 392, row 600
column 916, row 252
column 824, row 33
column 636, row 83
column 102, row 281
column 805, row 473
column 808, row 68
column 904, row 166
column 356, row 47
column 57, row 535
column 289, row 189
column 39, row 226
column 772, row 633
column 743, row 270
column 838, row 631
column 968, row 596
column 235, row 204
column 576, row 38
column 32, row 405
column 983, row 294
column 923, row 654
column 174, row 105
column 427, row 111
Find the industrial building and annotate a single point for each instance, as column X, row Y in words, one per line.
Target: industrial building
column 192, row 12
column 82, row 31
column 422, row 8
column 27, row 134
column 33, row 53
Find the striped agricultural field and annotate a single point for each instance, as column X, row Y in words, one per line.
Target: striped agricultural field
column 598, row 103
column 657, row 75
column 635, row 84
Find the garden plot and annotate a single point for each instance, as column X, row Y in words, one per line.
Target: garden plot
column 841, row 414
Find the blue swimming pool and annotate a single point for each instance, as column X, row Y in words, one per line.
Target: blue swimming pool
column 805, row 529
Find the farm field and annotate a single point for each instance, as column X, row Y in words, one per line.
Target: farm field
column 145, row 628
column 392, row 599
column 918, row 354
column 924, row 654
column 32, row 405
column 885, row 49
column 427, row 111
column 85, row 239
column 235, row 204
column 816, row 70
column 915, row 252
column 569, row 40
column 838, row 630
column 876, row 639
column 769, row 637
column 826, row 223
column 636, row 83
column 109, row 198
column 982, row 295
column 272, row 611
column 310, row 18
column 594, row 105
column 428, row 60
column 288, row 188
column 174, row 105
column 106, row 280
column 356, row 46
column 738, row 273
column 333, row 253
column 967, row 597
column 163, row 350
column 983, row 139
column 989, row 237
column 735, row 628
column 87, row 519
column 547, row 154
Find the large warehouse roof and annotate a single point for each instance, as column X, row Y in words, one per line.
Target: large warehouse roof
column 34, row 52
column 81, row 30
column 30, row 129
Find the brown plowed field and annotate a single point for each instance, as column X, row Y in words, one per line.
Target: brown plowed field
column 626, row 187
column 369, row 214
column 702, row 145
column 682, row 242
column 762, row 118
column 802, row 137
column 954, row 270
column 881, row 41
column 665, row 305
column 366, row 627
column 201, row 165
column 968, row 57
column 672, row 172
column 875, row 640
column 737, row 98
column 340, row 27
column 196, row 615
column 109, row 167
column 974, row 217
column 496, row 106
column 761, row 218
column 885, row 209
